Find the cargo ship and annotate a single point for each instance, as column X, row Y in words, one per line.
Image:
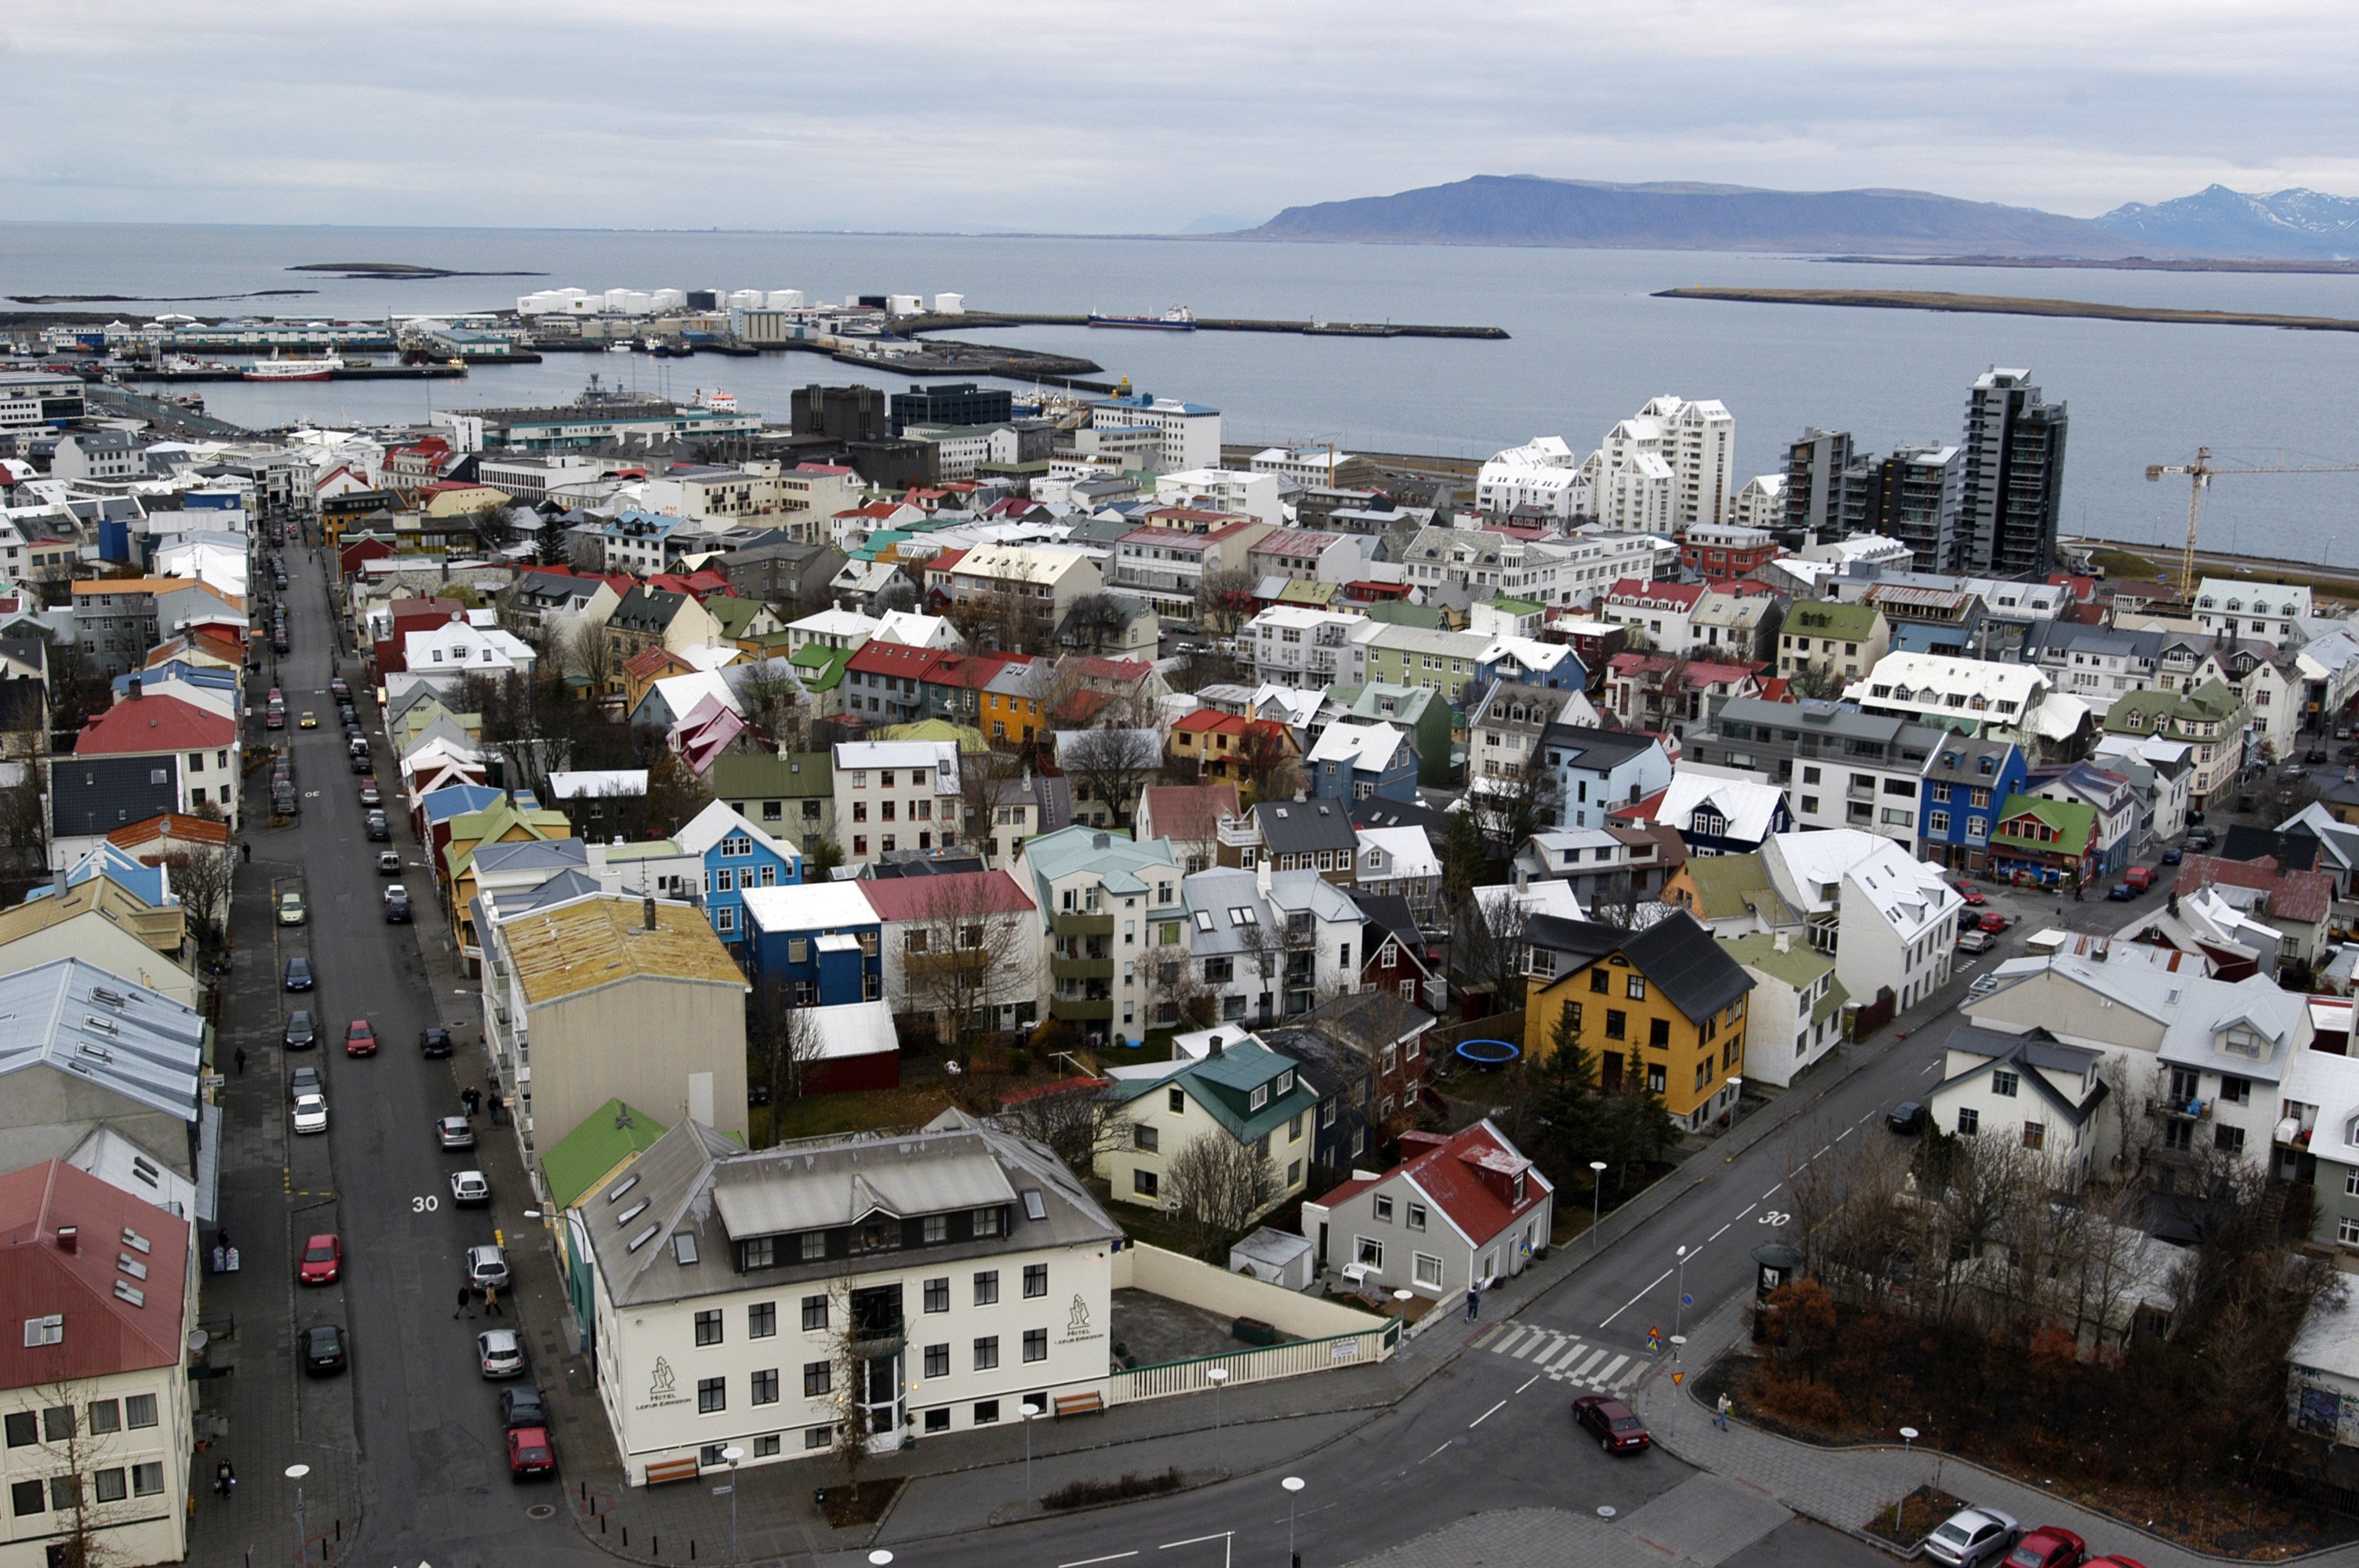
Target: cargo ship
column 1179, row 319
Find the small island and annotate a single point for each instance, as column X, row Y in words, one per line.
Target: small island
column 367, row 271
column 2010, row 304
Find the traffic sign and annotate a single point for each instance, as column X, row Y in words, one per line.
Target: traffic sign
column 1687, row 1300
column 1678, row 1378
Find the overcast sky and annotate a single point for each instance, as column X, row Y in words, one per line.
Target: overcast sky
column 1135, row 117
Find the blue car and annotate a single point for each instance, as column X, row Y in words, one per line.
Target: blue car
column 299, row 973
column 2122, row 892
column 2171, row 857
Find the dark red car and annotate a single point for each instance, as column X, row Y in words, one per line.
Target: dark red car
column 1967, row 890
column 1994, row 923
column 360, row 1040
column 323, row 1260
column 529, row 1453
column 2049, row 1546
column 2115, row 1561
column 1618, row 1431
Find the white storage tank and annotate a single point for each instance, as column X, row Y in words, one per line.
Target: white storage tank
column 949, row 303
column 745, row 299
column 667, row 299
column 784, row 300
column 904, row 304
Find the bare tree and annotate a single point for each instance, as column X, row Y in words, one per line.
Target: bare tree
column 1072, row 1120
column 1178, row 996
column 1111, row 765
column 24, row 836
column 851, row 1344
column 89, row 1496
column 1218, row 1184
column 1485, row 951
column 1094, row 623
column 773, row 700
column 966, row 954
column 782, row 1041
column 1224, row 598
column 1269, row 765
column 1511, row 807
column 201, row 876
column 990, row 782
column 591, row 657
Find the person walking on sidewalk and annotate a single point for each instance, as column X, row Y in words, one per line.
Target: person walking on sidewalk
column 1719, row 1412
column 241, row 1060
column 1473, row 1303
column 464, row 1298
column 491, row 1302
column 224, row 1478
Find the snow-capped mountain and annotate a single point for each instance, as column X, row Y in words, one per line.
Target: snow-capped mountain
column 2219, row 222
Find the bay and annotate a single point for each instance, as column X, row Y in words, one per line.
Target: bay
column 1589, row 343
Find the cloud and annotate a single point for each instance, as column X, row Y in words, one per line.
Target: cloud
column 1061, row 115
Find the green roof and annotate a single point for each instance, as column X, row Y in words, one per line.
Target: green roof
column 733, row 614
column 2074, row 823
column 766, row 775
column 607, row 1136
column 1824, row 618
column 965, row 737
column 1729, row 885
column 1224, row 1085
column 1799, row 964
column 1516, row 606
column 1117, row 862
column 819, row 666
column 1398, row 613
column 644, row 849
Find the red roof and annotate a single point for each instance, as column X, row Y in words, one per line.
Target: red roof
column 2306, row 896
column 139, row 725
column 103, row 1333
column 645, row 664
column 942, row 562
column 171, row 827
column 1683, row 594
column 935, row 666
column 1470, row 1176
column 1205, row 720
column 1190, row 811
column 1095, row 667
column 959, row 895
column 837, row 469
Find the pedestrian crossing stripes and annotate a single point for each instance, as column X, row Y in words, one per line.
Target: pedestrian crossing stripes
column 1564, row 1357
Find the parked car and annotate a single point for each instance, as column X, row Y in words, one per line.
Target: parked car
column 1908, row 1116
column 311, row 1114
column 300, row 1082
column 2121, row 892
column 339, row 689
column 2049, row 1546
column 370, row 796
column 455, row 1132
column 360, row 1040
column 434, row 1043
column 310, row 721
column 1974, row 939
column 1610, row 1421
column 522, row 1406
column 299, row 973
column 499, row 1352
column 1994, row 923
column 396, row 905
column 388, row 863
column 1972, row 1537
column 469, row 1189
column 2172, row 857
column 322, row 1348
column 300, row 1034
column 489, row 1266
column 291, row 909
column 379, row 830
column 2140, row 878
column 2113, row 1559
column 530, row 1454
column 360, row 763
column 1971, row 893
column 324, row 1260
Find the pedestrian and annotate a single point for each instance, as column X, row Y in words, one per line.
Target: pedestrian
column 221, row 1239
column 463, row 1304
column 223, row 1478
column 249, row 852
column 1473, row 1303
column 241, row 1060
column 491, row 1302
column 1719, row 1412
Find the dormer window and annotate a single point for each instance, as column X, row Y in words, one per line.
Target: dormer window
column 1259, row 1099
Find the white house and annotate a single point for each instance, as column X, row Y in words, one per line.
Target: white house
column 1542, row 475
column 1794, row 1016
column 895, row 794
column 2269, row 612
column 1458, row 1212
column 1889, row 919
column 1241, row 1091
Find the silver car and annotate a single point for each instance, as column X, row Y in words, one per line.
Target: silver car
column 455, row 1132
column 1972, row 1537
column 499, row 1353
column 469, row 1189
column 486, row 1266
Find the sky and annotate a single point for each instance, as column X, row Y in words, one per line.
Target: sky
column 1047, row 115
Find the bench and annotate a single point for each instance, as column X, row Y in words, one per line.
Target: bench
column 672, row 1470
column 1080, row 1404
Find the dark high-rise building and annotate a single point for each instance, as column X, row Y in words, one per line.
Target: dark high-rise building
column 1913, row 496
column 1825, row 488
column 841, row 412
column 963, row 403
column 2012, row 490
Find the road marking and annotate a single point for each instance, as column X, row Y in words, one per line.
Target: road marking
column 1529, row 1345
column 1930, row 1068
column 1718, row 1234
column 1571, row 1356
column 1530, row 1380
column 1870, row 1116
column 1751, row 1206
column 1814, row 1157
column 1486, row 1415
column 1518, row 1332
column 1115, row 1557
column 1611, row 1368
column 1191, row 1541
column 1634, row 1301
column 1488, row 1334
column 1771, row 1193
column 1437, row 1451
column 1846, row 1132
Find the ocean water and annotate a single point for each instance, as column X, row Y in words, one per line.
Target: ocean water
column 1588, row 344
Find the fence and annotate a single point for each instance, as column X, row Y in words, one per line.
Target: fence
column 1258, row 1365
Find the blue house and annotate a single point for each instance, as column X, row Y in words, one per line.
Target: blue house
column 1965, row 780
column 1532, row 662
column 1597, row 770
column 737, row 856
column 1359, row 761
column 821, row 944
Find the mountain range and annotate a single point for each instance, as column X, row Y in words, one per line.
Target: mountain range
column 1530, row 209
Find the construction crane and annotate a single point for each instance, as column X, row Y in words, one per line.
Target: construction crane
column 2199, row 478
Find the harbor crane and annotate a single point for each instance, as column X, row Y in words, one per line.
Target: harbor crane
column 2199, row 478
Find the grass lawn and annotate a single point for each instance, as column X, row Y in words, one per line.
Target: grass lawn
column 2122, row 563
column 818, row 1115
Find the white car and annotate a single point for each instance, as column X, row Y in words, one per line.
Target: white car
column 499, row 1353
column 310, row 1113
column 469, row 1189
column 1971, row 1537
column 486, row 1266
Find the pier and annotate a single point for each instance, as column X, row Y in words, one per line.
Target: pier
column 2011, row 305
column 981, row 320
column 436, row 371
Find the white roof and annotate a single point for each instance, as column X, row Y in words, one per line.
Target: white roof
column 1528, row 652
column 1749, row 807
column 852, row 1029
column 1370, row 746
column 913, row 630
column 682, row 693
column 835, row 623
column 1817, row 860
column 809, row 906
column 717, row 822
column 1555, row 898
column 589, row 781
column 893, row 753
column 1408, row 850
column 710, row 659
column 2329, row 1340
column 1929, row 679
column 1911, row 895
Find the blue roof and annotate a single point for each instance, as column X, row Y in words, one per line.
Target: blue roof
column 1148, row 400
column 118, row 865
column 180, row 670
column 456, row 800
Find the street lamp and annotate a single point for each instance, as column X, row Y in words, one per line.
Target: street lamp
column 1907, row 1441
column 1606, row 1513
column 1679, row 1307
column 880, row 1557
column 1678, row 1342
column 1404, row 1295
column 1735, row 1099
column 1216, row 1377
column 296, row 1473
column 733, row 1454
column 1031, row 1414
column 1596, row 1197
column 1293, row 1485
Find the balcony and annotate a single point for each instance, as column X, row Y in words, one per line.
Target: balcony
column 1081, row 1009
column 2173, row 1108
column 1082, row 924
column 1081, row 968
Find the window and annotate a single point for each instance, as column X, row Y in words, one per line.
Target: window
column 1637, row 987
column 1259, row 1097
column 1036, row 1344
column 711, row 1395
column 147, row 1480
column 987, row 1353
column 1658, row 1033
column 1146, row 1138
column 2004, row 1084
column 814, row 1314
column 986, row 1413
column 1176, row 1101
column 57, row 1423
column 2034, row 1135
column 990, row 1222
column 1417, row 1216
column 708, row 1327
column 762, row 1320
column 814, row 1245
column 139, row 1410
column 1384, row 1206
column 26, row 1497
column 1970, row 1122
column 935, row 1227
column 1366, row 1253
column 2235, row 1090
column 818, row 1377
column 938, row 1294
column 1143, row 1183
column 765, row 1387
column 2229, row 1139
column 761, row 1253
column 1600, row 981
column 1035, row 1279
column 1618, row 1024
column 1657, row 1079
column 987, row 1287
column 818, row 1436
column 938, row 1360
column 23, row 1430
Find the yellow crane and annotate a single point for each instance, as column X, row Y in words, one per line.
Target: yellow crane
column 2199, row 478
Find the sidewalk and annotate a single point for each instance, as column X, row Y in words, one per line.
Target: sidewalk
column 1846, row 1493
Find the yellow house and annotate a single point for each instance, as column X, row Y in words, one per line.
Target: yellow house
column 1662, row 1009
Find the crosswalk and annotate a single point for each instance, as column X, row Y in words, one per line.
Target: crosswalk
column 1565, row 1358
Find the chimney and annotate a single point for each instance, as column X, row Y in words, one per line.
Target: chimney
column 1101, row 841
column 647, row 910
column 133, row 691
column 1214, row 1047
column 1785, row 941
column 69, row 1237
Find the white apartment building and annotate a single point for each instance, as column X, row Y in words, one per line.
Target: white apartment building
column 1167, row 567
column 1185, row 435
column 2008, row 702
column 895, row 794
column 2270, row 611
column 1541, row 475
column 1888, row 919
column 1308, row 467
column 1667, row 469
column 1293, row 645
column 1247, row 494
column 1761, row 503
column 950, row 1275
column 1487, row 564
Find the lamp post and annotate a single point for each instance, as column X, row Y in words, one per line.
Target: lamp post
column 1678, row 1342
column 1605, row 1514
column 1293, row 1485
column 1216, row 1377
column 1679, row 1307
column 1735, row 1099
column 880, row 1557
column 1031, row 1414
column 296, row 1473
column 1596, row 1200
column 733, row 1454
column 1404, row 1295
column 1908, row 1446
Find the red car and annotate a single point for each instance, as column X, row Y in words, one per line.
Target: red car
column 360, row 1040
column 2115, row 1561
column 1994, row 923
column 1618, row 1431
column 1967, row 890
column 529, row 1453
column 323, row 1260
column 2049, row 1546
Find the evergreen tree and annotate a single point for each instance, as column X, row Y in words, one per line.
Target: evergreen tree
column 1564, row 1095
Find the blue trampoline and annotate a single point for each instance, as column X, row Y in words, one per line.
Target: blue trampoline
column 1489, row 1053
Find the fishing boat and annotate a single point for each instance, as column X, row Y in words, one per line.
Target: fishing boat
column 716, row 401
column 277, row 369
column 1179, row 319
